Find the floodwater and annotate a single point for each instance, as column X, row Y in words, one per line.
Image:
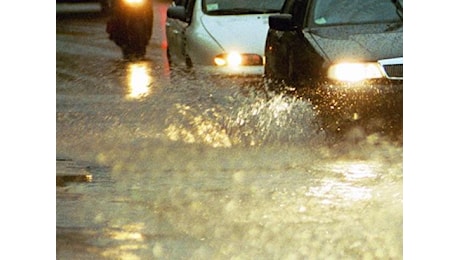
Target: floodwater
column 178, row 165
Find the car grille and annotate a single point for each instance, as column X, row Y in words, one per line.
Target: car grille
column 393, row 68
column 394, row 71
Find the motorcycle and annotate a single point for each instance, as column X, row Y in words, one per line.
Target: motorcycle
column 130, row 26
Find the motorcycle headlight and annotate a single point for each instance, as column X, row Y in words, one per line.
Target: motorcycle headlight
column 354, row 72
column 235, row 59
column 133, row 2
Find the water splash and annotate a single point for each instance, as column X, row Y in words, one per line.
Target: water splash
column 276, row 119
column 247, row 117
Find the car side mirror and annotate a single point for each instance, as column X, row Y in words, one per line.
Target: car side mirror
column 281, row 22
column 177, row 12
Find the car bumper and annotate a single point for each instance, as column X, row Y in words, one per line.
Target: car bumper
column 373, row 107
column 243, row 71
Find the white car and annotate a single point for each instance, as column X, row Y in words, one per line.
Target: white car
column 220, row 36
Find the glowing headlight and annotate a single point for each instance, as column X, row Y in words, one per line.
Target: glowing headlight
column 235, row 59
column 353, row 72
column 133, row 2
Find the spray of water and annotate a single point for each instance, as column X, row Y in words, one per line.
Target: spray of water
column 248, row 117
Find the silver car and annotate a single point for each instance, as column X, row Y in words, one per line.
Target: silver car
column 221, row 36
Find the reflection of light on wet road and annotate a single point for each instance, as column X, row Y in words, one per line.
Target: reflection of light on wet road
column 347, row 186
column 131, row 239
column 335, row 192
column 127, row 236
column 355, row 170
column 139, row 80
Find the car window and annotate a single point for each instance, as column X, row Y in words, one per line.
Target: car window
column 228, row 7
column 332, row 12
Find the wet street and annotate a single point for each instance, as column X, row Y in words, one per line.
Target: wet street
column 153, row 162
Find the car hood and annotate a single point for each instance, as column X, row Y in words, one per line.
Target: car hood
column 243, row 33
column 363, row 43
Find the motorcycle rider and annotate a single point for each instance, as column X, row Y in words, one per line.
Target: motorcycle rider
column 130, row 26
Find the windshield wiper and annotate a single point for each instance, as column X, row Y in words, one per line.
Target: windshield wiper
column 242, row 11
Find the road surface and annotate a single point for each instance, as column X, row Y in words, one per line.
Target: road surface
column 151, row 165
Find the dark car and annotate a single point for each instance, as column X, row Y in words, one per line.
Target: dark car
column 347, row 54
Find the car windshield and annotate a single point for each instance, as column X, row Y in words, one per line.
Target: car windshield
column 333, row 12
column 232, row 7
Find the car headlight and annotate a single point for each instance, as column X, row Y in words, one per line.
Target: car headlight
column 235, row 59
column 354, row 72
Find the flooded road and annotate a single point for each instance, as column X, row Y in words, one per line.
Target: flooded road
column 186, row 166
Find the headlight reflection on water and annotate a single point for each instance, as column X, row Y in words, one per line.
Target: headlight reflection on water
column 139, row 80
column 130, row 238
column 348, row 186
column 355, row 170
column 334, row 192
